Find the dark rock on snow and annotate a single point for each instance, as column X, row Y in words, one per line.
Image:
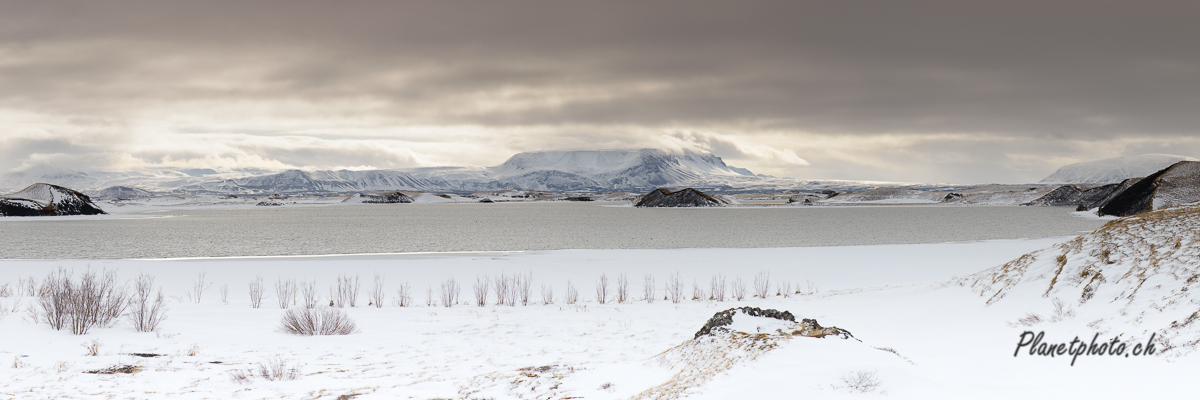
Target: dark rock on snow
column 392, row 197
column 807, row 327
column 1083, row 195
column 41, row 199
column 680, row 198
column 1174, row 185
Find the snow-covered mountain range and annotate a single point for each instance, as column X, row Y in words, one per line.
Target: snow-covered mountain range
column 1116, row 169
column 555, row 171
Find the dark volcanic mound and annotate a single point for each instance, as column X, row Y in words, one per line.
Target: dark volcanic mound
column 680, row 198
column 385, row 198
column 43, row 199
column 1082, row 195
column 1172, row 186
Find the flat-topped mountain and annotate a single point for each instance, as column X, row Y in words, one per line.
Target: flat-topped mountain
column 41, row 199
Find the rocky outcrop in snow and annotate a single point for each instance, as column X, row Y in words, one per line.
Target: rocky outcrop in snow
column 724, row 323
column 41, row 199
column 1088, row 197
column 680, row 198
column 1113, row 170
column 381, row 197
column 1174, row 185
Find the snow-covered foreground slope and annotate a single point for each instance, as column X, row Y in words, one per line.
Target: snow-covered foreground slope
column 1136, row 276
column 920, row 338
column 1116, row 169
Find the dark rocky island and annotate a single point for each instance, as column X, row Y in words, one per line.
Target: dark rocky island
column 680, row 198
column 42, row 199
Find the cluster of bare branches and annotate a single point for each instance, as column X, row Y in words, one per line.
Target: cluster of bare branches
column 698, row 291
column 317, row 321
column 308, row 293
column 510, row 289
column 449, row 293
column 345, row 292
column 199, row 287
column 716, row 289
column 256, row 292
column 146, row 308
column 622, row 288
column 738, row 289
column 483, row 285
column 602, row 289
column 675, row 287
column 375, row 297
column 762, row 284
column 572, row 295
column 80, row 304
column 403, row 296
column 648, row 287
column 547, row 294
column 285, row 292
column 524, row 287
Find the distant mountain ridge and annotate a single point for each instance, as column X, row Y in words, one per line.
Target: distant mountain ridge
column 637, row 170
column 1113, row 170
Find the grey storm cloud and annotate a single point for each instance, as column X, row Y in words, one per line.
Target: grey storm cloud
column 1035, row 76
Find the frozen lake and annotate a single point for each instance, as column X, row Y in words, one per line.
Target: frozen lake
column 356, row 229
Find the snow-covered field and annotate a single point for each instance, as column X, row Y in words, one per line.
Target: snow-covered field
column 941, row 340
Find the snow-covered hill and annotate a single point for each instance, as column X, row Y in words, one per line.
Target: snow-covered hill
column 42, row 199
column 1132, row 277
column 1113, row 170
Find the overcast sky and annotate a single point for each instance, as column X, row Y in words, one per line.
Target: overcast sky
column 933, row 91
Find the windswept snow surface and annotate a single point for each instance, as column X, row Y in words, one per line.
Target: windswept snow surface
column 1113, row 170
column 920, row 338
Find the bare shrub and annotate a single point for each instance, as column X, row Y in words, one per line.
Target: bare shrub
column 345, row 292
column 783, row 288
column 675, row 287
column 403, row 296
column 738, row 288
column 524, row 288
column 317, row 321
column 1062, row 311
column 199, row 287
column 602, row 289
column 239, row 376
column 92, row 347
column 697, row 291
column 5, row 290
column 375, row 297
column 429, row 296
column 193, row 350
column 622, row 288
column 146, row 309
column 808, row 289
column 762, row 284
column 449, row 292
column 716, row 288
column 547, row 294
column 572, row 294
column 256, row 292
column 224, row 294
column 505, row 292
column 860, row 381
column 483, row 285
column 308, row 293
column 277, row 369
column 92, row 300
column 285, row 292
column 29, row 285
column 648, row 287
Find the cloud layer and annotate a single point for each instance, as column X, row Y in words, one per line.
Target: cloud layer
column 912, row 91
